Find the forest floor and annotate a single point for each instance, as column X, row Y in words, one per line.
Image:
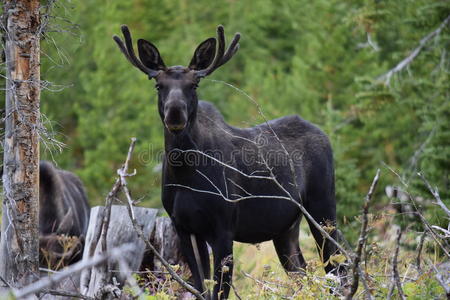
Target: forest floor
column 259, row 275
column 269, row 281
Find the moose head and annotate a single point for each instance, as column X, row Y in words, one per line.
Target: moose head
column 176, row 85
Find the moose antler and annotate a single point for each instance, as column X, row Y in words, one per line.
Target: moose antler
column 128, row 51
column 222, row 56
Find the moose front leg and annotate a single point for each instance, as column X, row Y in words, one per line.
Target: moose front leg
column 189, row 253
column 223, row 267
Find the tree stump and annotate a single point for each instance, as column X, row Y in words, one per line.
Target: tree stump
column 120, row 231
column 166, row 241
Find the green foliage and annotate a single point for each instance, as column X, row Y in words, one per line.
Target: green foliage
column 423, row 288
column 311, row 58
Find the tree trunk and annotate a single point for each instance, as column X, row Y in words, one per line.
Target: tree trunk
column 19, row 246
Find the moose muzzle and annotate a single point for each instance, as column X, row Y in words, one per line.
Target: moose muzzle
column 175, row 115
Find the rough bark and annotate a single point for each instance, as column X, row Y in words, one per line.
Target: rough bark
column 19, row 246
column 166, row 241
column 120, row 231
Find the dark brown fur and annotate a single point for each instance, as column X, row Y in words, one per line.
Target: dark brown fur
column 63, row 216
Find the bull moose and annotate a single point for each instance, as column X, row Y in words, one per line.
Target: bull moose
column 222, row 183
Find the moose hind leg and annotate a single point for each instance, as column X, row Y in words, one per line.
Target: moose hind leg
column 288, row 249
column 323, row 210
column 223, row 267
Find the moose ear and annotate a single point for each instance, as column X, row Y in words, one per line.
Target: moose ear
column 203, row 55
column 149, row 55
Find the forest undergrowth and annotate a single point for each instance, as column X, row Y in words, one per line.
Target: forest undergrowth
column 259, row 275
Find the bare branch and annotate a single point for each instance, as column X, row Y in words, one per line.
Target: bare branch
column 395, row 275
column 422, row 218
column 45, row 282
column 131, row 280
column 265, row 284
column 433, row 234
column 5, row 282
column 405, row 62
column 235, row 291
column 101, row 234
column 419, row 251
column 362, row 238
column 435, row 194
column 369, row 43
column 66, row 294
column 225, row 198
column 417, row 154
column 442, row 276
column 445, row 232
column 224, row 164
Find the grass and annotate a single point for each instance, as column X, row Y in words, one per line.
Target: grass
column 261, row 262
column 259, row 275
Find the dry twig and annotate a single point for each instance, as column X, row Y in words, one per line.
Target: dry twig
column 443, row 276
column 427, row 225
column 66, row 294
column 395, row 275
column 45, row 282
column 435, row 194
column 362, row 240
column 419, row 251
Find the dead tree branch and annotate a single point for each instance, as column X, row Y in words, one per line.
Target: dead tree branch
column 362, row 238
column 66, row 294
column 395, row 275
column 435, row 193
column 427, row 225
column 101, row 236
column 419, row 251
column 395, row 266
column 430, row 229
column 113, row 254
column 130, row 279
column 445, row 234
column 405, row 62
column 443, row 276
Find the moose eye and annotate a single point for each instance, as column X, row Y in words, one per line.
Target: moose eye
column 158, row 87
column 194, row 86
